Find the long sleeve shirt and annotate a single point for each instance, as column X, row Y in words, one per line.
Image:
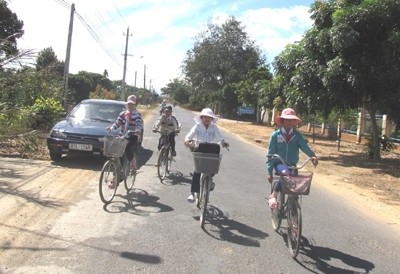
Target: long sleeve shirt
column 200, row 134
column 129, row 121
column 167, row 124
column 287, row 149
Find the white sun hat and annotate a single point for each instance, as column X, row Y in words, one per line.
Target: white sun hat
column 206, row 112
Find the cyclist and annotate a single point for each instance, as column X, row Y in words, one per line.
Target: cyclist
column 131, row 124
column 162, row 106
column 204, row 131
column 286, row 142
column 169, row 124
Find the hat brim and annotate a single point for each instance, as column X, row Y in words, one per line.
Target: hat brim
column 279, row 119
column 198, row 118
column 130, row 102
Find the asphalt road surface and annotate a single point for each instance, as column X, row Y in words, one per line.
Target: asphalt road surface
column 52, row 220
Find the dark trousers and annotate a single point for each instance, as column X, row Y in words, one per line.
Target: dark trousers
column 171, row 139
column 205, row 148
column 131, row 147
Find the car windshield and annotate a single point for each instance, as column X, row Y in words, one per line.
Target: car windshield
column 97, row 111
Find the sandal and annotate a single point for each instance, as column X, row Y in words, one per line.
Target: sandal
column 272, row 202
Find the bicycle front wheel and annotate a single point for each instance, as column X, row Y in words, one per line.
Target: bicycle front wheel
column 108, row 182
column 294, row 226
column 129, row 174
column 161, row 165
column 204, row 195
column 277, row 213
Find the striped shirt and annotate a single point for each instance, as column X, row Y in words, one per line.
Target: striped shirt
column 129, row 121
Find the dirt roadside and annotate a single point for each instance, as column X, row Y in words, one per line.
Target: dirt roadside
column 372, row 188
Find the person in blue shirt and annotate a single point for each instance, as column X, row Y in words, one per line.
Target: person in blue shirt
column 286, row 141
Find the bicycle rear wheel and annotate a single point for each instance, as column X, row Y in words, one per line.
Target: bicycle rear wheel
column 129, row 174
column 161, row 165
column 294, row 226
column 108, row 182
column 204, row 195
column 277, row 213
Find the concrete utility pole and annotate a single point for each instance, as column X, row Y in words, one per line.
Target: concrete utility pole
column 66, row 64
column 135, row 79
column 144, row 77
column 125, row 59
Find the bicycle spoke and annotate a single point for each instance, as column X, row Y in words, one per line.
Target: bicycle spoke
column 294, row 227
column 205, row 191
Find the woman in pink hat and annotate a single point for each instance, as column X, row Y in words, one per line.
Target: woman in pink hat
column 130, row 122
column 286, row 142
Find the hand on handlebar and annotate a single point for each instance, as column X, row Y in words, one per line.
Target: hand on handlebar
column 314, row 160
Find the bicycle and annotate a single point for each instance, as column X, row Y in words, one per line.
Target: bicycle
column 208, row 165
column 290, row 207
column 116, row 169
column 165, row 158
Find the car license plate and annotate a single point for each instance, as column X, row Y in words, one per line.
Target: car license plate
column 81, row 147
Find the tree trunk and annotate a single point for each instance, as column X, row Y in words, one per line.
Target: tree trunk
column 376, row 136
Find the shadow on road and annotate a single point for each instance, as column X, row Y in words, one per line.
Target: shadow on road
column 138, row 202
column 223, row 228
column 144, row 156
column 145, row 258
column 319, row 258
column 176, row 177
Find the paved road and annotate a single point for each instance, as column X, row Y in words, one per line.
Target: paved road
column 61, row 226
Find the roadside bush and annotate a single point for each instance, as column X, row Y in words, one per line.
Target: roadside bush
column 385, row 143
column 46, row 112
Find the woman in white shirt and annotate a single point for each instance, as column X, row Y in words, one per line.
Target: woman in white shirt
column 204, row 131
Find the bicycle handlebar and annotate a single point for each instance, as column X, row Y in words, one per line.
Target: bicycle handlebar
column 191, row 145
column 276, row 156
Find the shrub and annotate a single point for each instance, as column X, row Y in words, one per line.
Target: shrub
column 46, row 112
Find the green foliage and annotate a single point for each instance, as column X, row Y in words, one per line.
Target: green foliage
column 221, row 56
column 177, row 90
column 102, row 93
column 46, row 112
column 10, row 30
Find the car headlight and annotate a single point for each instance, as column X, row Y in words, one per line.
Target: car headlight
column 102, row 139
column 58, row 134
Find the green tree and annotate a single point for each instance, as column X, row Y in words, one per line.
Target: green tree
column 177, row 90
column 221, row 56
column 47, row 60
column 348, row 59
column 10, row 30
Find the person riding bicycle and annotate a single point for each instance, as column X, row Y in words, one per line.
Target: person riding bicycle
column 204, row 131
column 286, row 142
column 162, row 106
column 169, row 124
column 131, row 124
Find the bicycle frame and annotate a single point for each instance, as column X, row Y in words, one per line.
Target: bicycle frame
column 289, row 207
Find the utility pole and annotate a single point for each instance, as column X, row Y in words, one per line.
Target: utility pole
column 66, row 63
column 150, row 85
column 144, row 77
column 135, row 79
column 125, row 59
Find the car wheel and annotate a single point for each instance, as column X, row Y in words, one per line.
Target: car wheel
column 55, row 155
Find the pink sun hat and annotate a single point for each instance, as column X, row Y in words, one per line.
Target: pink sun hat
column 288, row 114
column 131, row 100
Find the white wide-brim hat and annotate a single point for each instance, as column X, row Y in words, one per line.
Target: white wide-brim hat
column 206, row 112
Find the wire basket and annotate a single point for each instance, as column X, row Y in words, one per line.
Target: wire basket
column 299, row 185
column 207, row 163
column 114, row 146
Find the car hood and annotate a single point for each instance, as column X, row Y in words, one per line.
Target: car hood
column 86, row 126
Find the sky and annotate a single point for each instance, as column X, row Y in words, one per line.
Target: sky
column 160, row 31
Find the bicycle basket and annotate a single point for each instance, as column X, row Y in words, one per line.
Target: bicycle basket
column 114, row 146
column 207, row 163
column 299, row 184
